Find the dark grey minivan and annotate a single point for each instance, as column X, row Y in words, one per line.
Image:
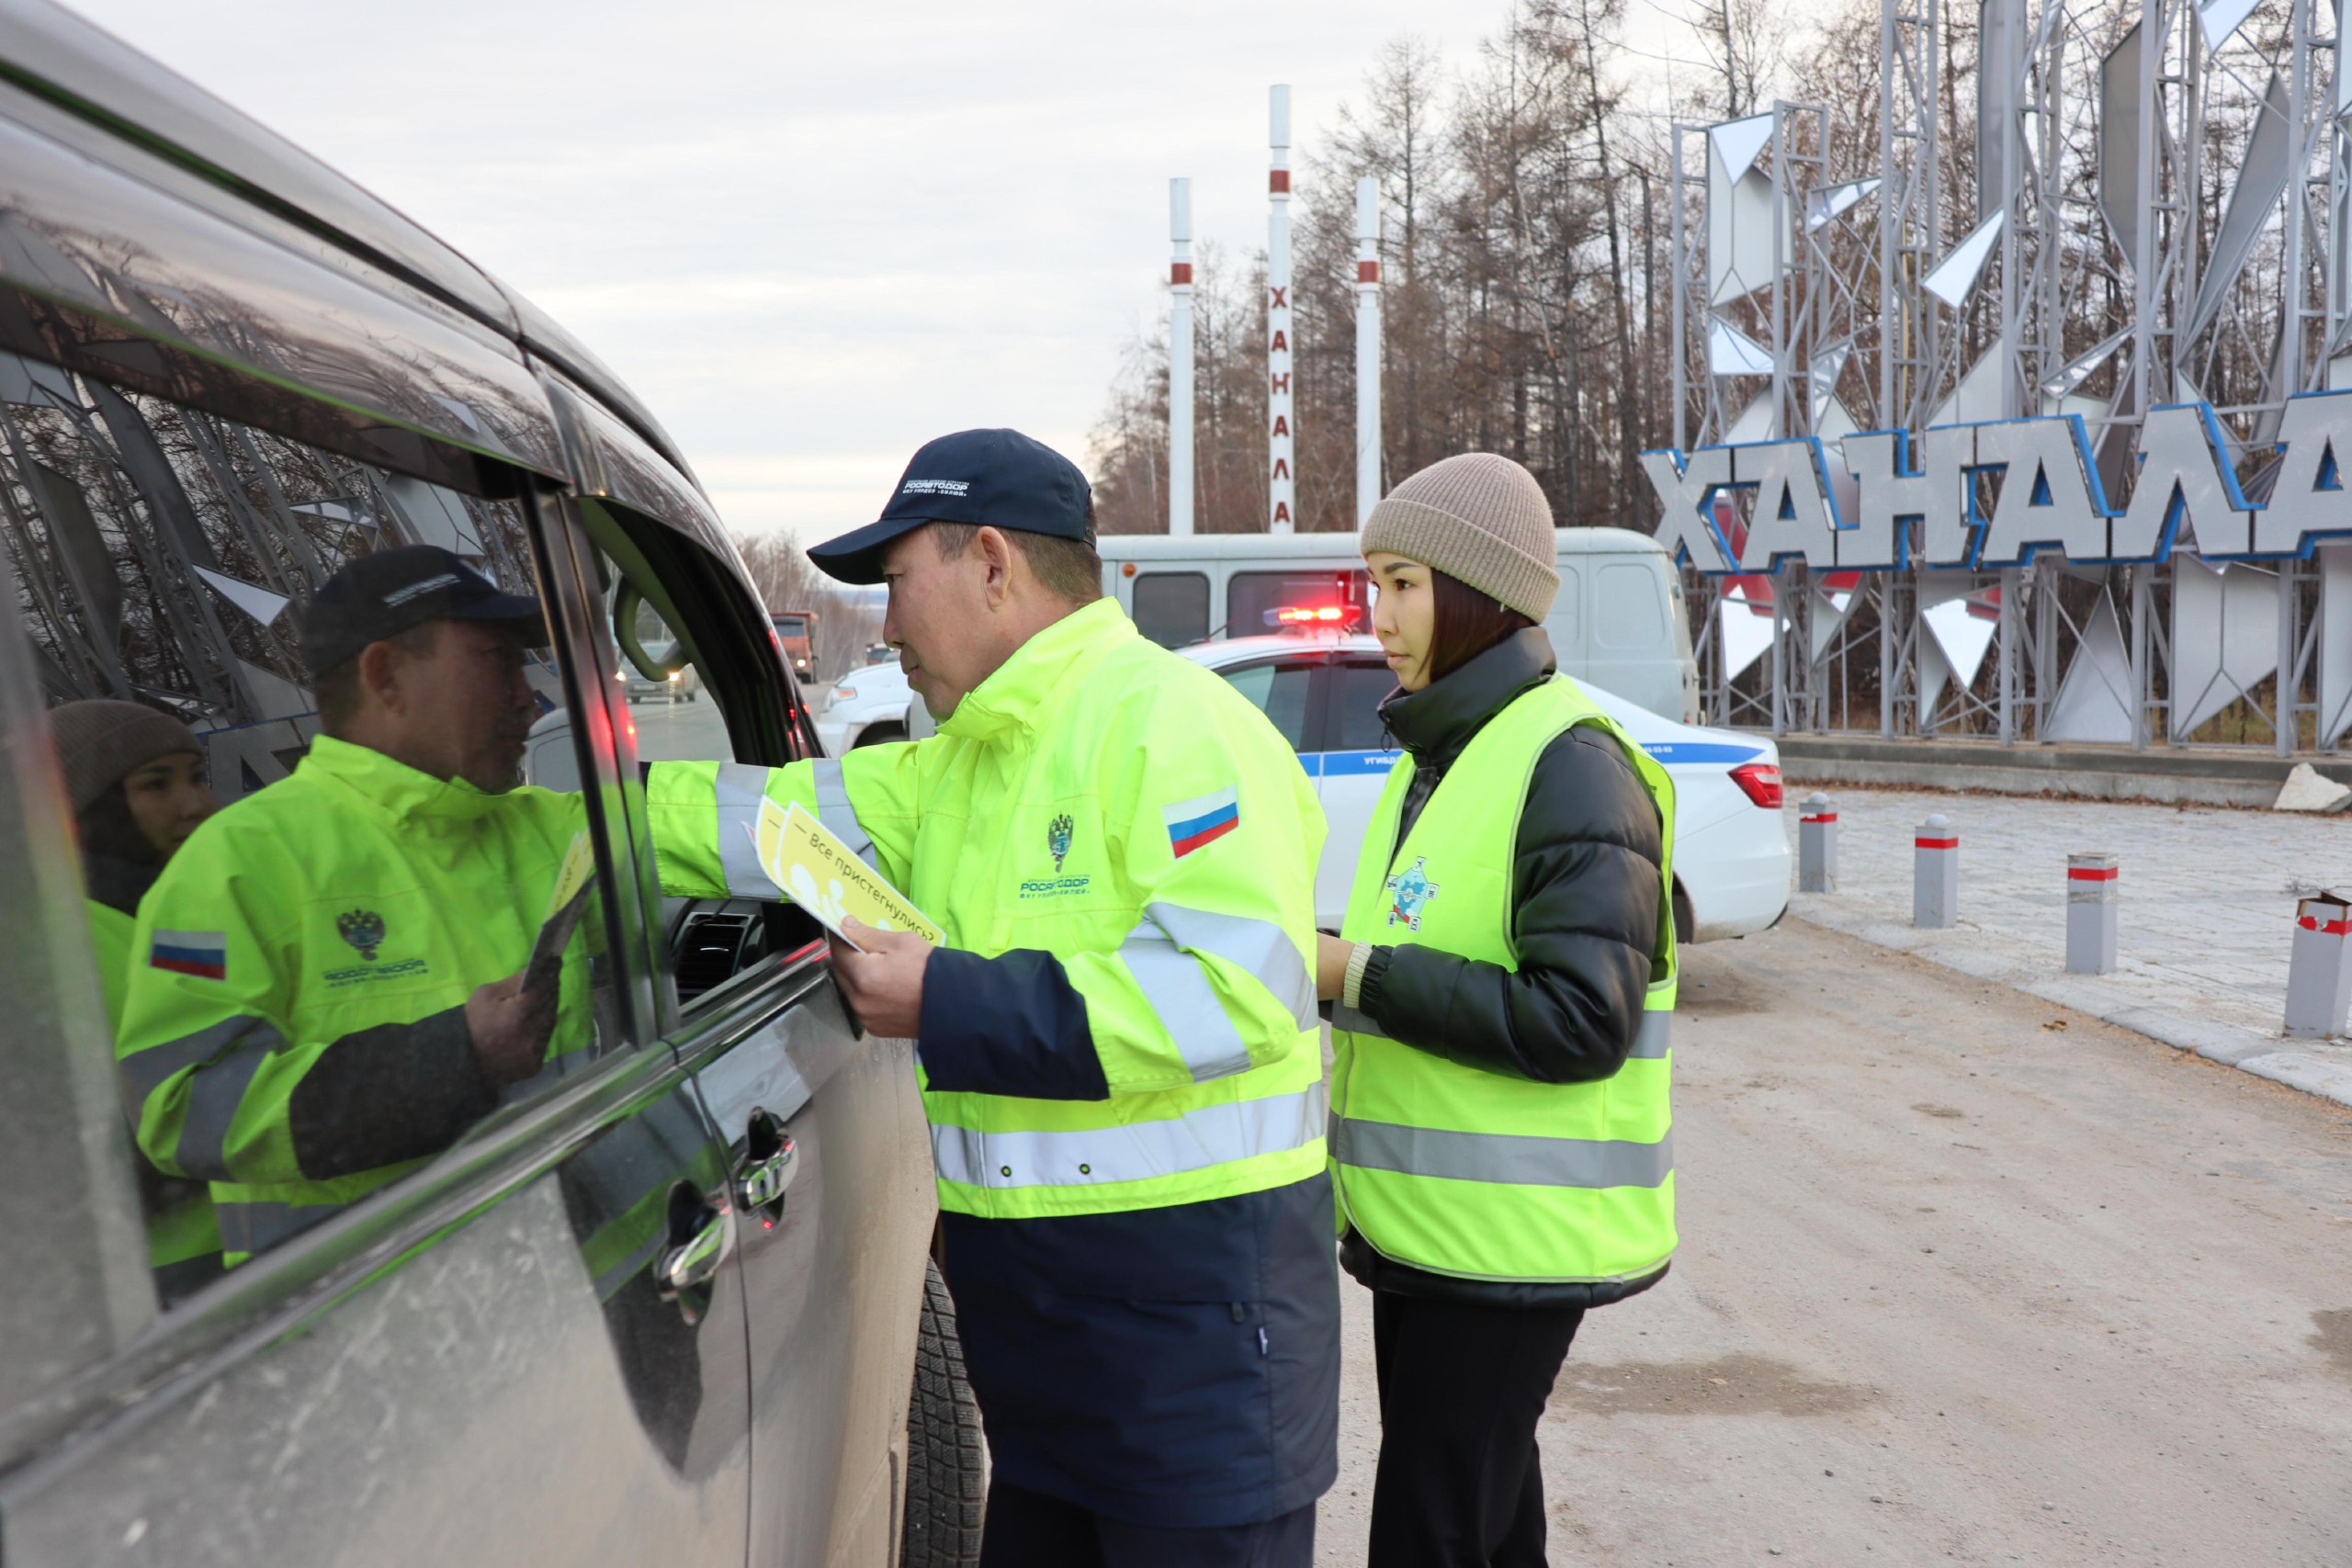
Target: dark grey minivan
column 666, row 1305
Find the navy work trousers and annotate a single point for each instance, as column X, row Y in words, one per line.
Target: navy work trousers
column 1029, row 1529
column 1461, row 1387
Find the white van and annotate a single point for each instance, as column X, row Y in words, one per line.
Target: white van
column 1620, row 621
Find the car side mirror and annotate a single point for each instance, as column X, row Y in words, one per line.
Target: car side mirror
column 637, row 624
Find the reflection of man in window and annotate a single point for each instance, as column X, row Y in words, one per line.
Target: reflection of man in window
column 333, row 978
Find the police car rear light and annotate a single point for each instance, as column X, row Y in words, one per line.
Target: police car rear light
column 1761, row 782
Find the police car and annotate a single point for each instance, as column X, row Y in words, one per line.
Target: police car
column 1322, row 687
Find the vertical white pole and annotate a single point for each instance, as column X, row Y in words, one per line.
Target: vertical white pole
column 1281, row 493
column 1367, row 347
column 1180, row 357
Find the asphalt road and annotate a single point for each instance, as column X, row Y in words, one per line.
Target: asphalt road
column 1964, row 1277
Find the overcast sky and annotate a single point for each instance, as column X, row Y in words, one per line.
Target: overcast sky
column 811, row 236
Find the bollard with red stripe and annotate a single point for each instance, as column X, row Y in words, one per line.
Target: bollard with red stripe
column 1817, row 846
column 1935, row 874
column 2319, row 969
column 2090, row 914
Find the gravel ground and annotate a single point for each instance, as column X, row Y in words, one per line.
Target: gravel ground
column 1965, row 1277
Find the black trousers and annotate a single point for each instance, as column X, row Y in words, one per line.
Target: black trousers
column 1029, row 1529
column 1461, row 1389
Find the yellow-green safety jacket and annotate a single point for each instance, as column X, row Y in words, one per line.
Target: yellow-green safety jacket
column 1480, row 1174
column 293, row 1026
column 182, row 1236
column 1126, row 811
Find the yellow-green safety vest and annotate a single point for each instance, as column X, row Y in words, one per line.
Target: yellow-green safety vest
column 185, row 1230
column 1461, row 1171
column 1130, row 813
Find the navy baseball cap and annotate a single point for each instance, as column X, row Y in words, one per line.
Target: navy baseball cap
column 999, row 477
column 382, row 595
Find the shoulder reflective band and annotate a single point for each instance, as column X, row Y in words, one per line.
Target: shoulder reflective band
column 1502, row 1159
column 214, row 1093
column 1210, row 1135
column 1260, row 947
column 839, row 817
column 738, row 791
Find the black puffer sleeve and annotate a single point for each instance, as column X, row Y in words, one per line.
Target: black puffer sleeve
column 1587, row 883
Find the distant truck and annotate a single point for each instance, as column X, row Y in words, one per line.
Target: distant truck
column 797, row 630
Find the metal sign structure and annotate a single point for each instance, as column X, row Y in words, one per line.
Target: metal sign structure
column 2054, row 458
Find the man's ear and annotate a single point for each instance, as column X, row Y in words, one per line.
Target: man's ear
column 997, row 555
column 380, row 667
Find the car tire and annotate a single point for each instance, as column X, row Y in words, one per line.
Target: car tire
column 878, row 734
column 946, row 1460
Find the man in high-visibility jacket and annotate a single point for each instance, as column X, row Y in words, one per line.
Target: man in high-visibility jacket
column 1120, row 1058
column 328, row 983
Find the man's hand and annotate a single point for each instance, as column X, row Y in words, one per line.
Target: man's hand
column 1331, row 955
column 883, row 985
column 509, row 1021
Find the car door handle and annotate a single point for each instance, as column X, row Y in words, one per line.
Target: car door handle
column 697, row 1249
column 761, row 1179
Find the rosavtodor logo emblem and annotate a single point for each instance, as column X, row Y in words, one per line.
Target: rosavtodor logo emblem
column 363, row 928
column 1409, row 890
column 1057, row 834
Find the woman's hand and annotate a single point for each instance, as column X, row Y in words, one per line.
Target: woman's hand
column 1331, row 955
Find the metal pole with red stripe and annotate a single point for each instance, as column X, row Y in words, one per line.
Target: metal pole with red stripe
column 1367, row 347
column 1935, row 874
column 1281, row 448
column 1817, row 845
column 2319, row 968
column 2090, row 914
column 1180, row 357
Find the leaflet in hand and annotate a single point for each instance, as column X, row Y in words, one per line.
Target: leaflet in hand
column 820, row 873
column 565, row 905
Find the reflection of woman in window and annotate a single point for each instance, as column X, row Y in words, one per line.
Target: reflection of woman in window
column 136, row 779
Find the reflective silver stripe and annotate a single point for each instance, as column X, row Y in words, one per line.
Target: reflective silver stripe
column 1261, row 947
column 1354, row 1022
column 835, row 812
column 1211, row 1135
column 258, row 1228
column 141, row 1073
column 213, row 1096
column 1509, row 1159
column 738, row 790
column 1652, row 1040
column 1172, row 984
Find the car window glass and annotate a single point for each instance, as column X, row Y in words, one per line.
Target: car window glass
column 1626, row 612
column 1171, row 608
column 1280, row 692
column 1358, row 688
column 333, row 933
column 1254, row 600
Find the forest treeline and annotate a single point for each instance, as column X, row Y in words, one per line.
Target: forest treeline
column 1526, row 306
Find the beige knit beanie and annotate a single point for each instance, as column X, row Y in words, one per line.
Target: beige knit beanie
column 101, row 741
column 1479, row 518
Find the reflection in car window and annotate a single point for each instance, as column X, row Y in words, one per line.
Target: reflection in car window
column 1279, row 692
column 291, row 693
column 1357, row 689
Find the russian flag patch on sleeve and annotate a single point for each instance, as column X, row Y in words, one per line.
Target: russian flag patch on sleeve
column 1193, row 823
column 204, row 954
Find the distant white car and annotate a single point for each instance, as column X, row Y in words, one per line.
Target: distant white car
column 869, row 704
column 1323, row 692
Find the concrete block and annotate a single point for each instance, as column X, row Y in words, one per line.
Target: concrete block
column 1935, row 874
column 2090, row 914
column 1817, row 846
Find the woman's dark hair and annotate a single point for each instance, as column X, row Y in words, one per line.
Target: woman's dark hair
column 107, row 829
column 1467, row 623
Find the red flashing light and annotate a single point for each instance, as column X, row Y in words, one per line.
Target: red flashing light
column 1303, row 616
column 1761, row 782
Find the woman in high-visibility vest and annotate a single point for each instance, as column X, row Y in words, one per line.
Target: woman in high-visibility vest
column 1501, row 990
column 136, row 780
